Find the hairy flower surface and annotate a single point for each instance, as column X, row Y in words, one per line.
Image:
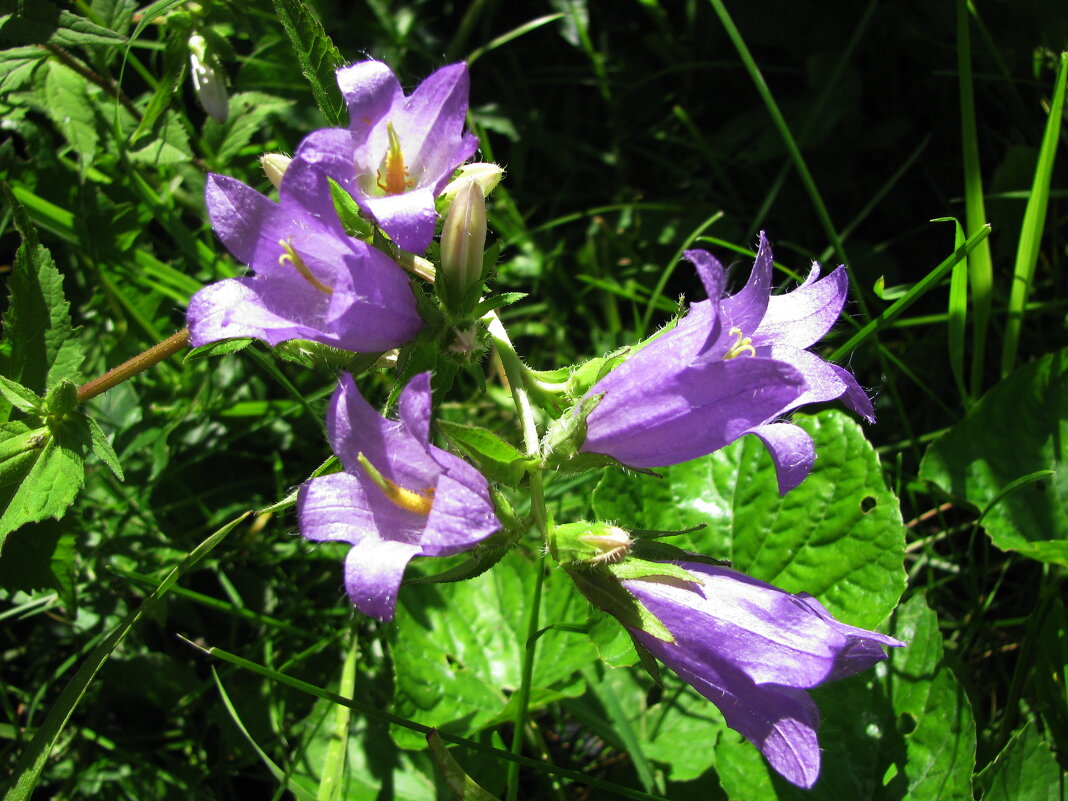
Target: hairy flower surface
column 312, row 281
column 753, row 649
column 398, row 497
column 731, row 367
column 398, row 152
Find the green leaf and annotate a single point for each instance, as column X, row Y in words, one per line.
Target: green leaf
column 497, row 460
column 175, row 55
column 22, row 398
column 37, row 329
column 899, row 731
column 41, row 22
column 70, row 106
column 249, row 112
column 458, row 648
column 496, row 302
column 103, row 450
column 316, row 54
column 221, row 348
column 32, row 760
column 1019, row 429
column 838, row 535
column 53, row 481
column 1026, row 770
column 166, row 143
column 40, row 557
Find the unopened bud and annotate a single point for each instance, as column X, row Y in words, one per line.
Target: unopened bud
column 208, row 80
column 274, row 167
column 488, row 176
column 591, row 543
column 463, row 242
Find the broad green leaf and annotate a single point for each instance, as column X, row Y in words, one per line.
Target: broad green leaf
column 902, row 730
column 42, row 22
column 497, row 460
column 17, row 66
column 1018, row 430
column 459, row 648
column 53, row 481
column 19, row 448
column 316, row 54
column 175, row 55
column 39, row 557
column 837, row 536
column 1026, row 770
column 23, row 399
column 249, row 112
column 166, row 143
column 115, row 15
column 37, row 328
column 35, row 754
column 70, row 106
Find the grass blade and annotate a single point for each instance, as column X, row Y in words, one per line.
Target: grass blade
column 1034, row 221
column 330, row 786
column 32, row 761
column 957, row 316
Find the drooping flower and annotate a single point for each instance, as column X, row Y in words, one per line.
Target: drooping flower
column 398, row 497
column 732, row 366
column 398, row 152
column 312, row 281
column 753, row 650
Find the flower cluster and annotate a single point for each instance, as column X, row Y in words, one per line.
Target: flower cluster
column 356, row 208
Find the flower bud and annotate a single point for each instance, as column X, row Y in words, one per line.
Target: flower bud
column 593, row 543
column 274, row 167
column 463, row 241
column 488, row 176
column 208, row 79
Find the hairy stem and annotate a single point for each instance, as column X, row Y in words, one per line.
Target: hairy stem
column 138, row 364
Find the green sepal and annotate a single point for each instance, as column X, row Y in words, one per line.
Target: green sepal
column 494, row 302
column 221, row 348
column 567, row 434
column 604, row 591
column 589, row 373
column 354, row 223
column 484, row 555
column 637, row 568
column 62, row 399
column 22, row 398
column 662, row 551
column 496, row 459
column 315, row 354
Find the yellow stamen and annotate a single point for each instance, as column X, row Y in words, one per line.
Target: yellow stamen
column 396, row 180
column 741, row 345
column 294, row 258
column 409, row 500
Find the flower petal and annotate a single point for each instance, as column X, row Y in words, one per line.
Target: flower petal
column 792, row 451
column 854, row 396
column 801, row 317
column 371, row 91
column 408, row 218
column 430, row 123
column 239, row 214
column 373, row 573
column 414, row 407
column 259, row 307
column 746, row 308
column 459, row 518
column 649, row 418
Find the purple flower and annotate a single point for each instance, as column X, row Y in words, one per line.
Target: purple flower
column 731, row 367
column 398, row 497
column 398, row 152
column 312, row 281
column 753, row 649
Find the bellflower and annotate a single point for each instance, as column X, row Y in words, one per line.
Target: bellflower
column 732, row 366
column 398, row 152
column 753, row 649
column 398, row 496
column 312, row 281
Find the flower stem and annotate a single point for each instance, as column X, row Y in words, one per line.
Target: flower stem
column 517, row 373
column 138, row 364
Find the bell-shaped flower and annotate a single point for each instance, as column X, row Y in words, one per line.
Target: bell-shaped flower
column 398, row 152
column 398, row 496
column 311, row 280
column 732, row 366
column 753, row 650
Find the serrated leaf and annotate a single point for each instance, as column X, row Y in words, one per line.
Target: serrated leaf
column 53, row 481
column 249, row 112
column 175, row 55
column 103, row 450
column 458, row 648
column 221, row 348
column 1025, row 770
column 838, row 536
column 497, row 460
column 316, row 54
column 22, row 398
column 37, row 328
column 496, row 302
column 41, row 22
column 1018, row 429
column 900, row 731
column 166, row 143
column 68, row 103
